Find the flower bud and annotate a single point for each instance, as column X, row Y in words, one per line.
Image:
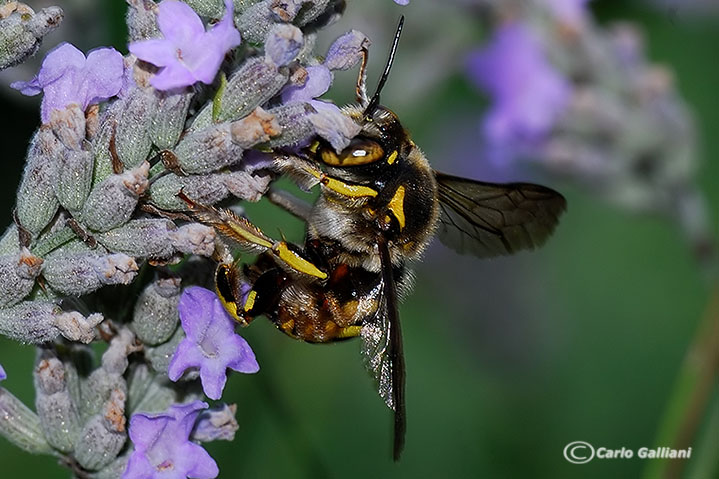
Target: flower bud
column 36, row 201
column 30, row 321
column 69, row 126
column 17, row 276
column 102, row 140
column 257, row 127
column 141, row 238
column 346, row 51
column 208, row 150
column 217, row 423
column 58, row 414
column 81, row 273
column 254, row 22
column 309, row 14
column 101, row 383
column 103, row 436
column 20, row 425
column 283, row 44
column 10, row 242
column 159, row 395
column 255, row 82
column 74, row 179
column 194, row 238
column 132, row 140
column 207, row 8
column 168, row 119
column 138, row 382
column 159, row 356
column 142, row 20
column 245, row 185
column 113, row 201
column 156, row 317
column 205, row 189
column 22, row 31
column 294, row 120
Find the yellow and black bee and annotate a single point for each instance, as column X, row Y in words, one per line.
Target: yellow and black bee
column 379, row 207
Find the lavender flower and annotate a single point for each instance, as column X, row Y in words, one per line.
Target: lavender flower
column 528, row 94
column 163, row 449
column 401, row 2
column 211, row 343
column 2, row 373
column 569, row 12
column 67, row 77
column 187, row 53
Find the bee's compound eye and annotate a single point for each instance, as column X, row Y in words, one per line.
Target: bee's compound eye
column 361, row 151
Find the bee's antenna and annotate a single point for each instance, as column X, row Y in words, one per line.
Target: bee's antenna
column 374, row 102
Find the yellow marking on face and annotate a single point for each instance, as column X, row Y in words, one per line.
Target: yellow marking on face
column 396, row 206
column 250, row 303
column 296, row 261
column 392, row 157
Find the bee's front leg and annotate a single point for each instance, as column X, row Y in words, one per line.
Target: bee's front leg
column 250, row 238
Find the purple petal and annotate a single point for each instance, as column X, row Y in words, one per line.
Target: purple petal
column 64, row 91
column 29, row 88
column 195, row 307
column 172, row 76
column 213, row 375
column 224, row 34
column 104, row 70
column 157, row 51
column 187, row 355
column 184, row 416
column 198, row 462
column 570, row 12
column 2, row 373
column 401, row 2
column 203, row 60
column 138, row 467
column 145, row 429
column 178, row 22
column 246, row 361
column 346, row 51
column 283, row 43
column 319, row 79
column 527, row 93
column 59, row 60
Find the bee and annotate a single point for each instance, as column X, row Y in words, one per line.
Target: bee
column 380, row 204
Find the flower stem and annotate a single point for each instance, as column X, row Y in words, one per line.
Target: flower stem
column 688, row 402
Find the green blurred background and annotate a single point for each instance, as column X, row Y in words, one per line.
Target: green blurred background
column 508, row 360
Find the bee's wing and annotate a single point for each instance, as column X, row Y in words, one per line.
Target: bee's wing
column 488, row 219
column 382, row 347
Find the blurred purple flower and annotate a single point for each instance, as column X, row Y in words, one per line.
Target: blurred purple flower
column 162, row 446
column 187, row 53
column 401, row 2
column 67, row 77
column 211, row 344
column 528, row 94
column 2, row 373
column 569, row 12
